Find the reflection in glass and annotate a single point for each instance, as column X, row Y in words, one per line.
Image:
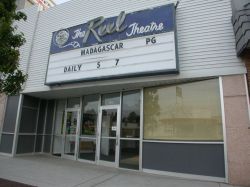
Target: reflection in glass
column 109, row 123
column 130, row 127
column 71, row 123
column 107, row 151
column 188, row 111
column 73, row 102
column 60, row 108
column 129, row 154
column 111, row 99
column 90, row 113
column 87, row 149
column 69, row 146
column 70, row 132
column 57, row 145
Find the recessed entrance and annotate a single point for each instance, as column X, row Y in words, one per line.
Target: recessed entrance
column 102, row 129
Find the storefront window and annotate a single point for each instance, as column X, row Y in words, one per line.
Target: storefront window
column 73, row 102
column 187, row 112
column 90, row 114
column 130, row 126
column 58, row 128
column 60, row 107
column 87, row 149
column 111, row 99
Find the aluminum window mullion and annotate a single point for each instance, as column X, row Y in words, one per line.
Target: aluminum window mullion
column 32, row 108
column 37, row 120
column 11, row 133
column 78, row 128
column 107, row 137
column 98, row 129
column 44, row 127
column 4, row 100
column 223, row 127
column 53, row 128
column 129, row 138
column 86, row 138
column 183, row 142
column 27, row 134
column 141, row 131
column 17, row 125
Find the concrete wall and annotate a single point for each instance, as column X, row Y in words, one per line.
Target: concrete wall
column 237, row 129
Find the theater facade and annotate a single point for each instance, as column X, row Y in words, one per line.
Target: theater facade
column 152, row 86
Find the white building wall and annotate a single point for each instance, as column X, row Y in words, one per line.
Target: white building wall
column 206, row 43
column 28, row 28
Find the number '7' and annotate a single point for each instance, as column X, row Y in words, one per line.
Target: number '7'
column 117, row 60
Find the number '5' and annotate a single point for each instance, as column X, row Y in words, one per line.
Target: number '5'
column 98, row 64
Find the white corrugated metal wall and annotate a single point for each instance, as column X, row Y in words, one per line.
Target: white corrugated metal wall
column 206, row 43
column 28, row 28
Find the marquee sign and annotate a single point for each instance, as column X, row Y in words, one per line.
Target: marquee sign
column 134, row 44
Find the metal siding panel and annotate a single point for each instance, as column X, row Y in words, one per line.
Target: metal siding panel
column 204, row 29
column 27, row 28
column 199, row 159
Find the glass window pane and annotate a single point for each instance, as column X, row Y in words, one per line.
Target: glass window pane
column 8, row 118
column 57, row 145
column 25, row 144
column 111, row 99
column 71, row 123
column 129, row 154
column 130, row 127
column 49, row 117
column 108, row 147
column 41, row 117
column 60, row 108
column 73, row 102
column 87, row 149
column 90, row 115
column 69, row 146
column 28, row 120
column 47, row 143
column 188, row 111
column 109, row 123
column 6, row 143
column 39, row 143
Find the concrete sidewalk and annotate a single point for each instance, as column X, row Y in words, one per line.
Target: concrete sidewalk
column 45, row 170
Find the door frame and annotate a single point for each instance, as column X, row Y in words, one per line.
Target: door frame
column 117, row 151
column 76, row 134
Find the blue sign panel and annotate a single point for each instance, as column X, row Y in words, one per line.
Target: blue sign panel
column 124, row 26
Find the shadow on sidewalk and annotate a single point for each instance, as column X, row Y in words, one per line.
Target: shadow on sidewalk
column 7, row 183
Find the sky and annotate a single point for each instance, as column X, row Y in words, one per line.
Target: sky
column 60, row 1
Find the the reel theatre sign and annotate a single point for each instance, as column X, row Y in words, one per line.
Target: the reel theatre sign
column 134, row 44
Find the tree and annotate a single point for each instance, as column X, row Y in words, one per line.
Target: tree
column 11, row 77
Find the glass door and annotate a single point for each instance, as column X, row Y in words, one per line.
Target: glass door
column 109, row 132
column 88, row 129
column 70, row 131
